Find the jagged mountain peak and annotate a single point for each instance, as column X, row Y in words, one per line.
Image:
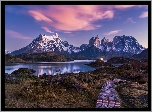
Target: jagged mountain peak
column 119, row 45
column 45, row 37
column 106, row 40
column 127, row 44
column 123, row 38
column 44, row 43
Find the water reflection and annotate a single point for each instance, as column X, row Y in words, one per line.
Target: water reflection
column 52, row 68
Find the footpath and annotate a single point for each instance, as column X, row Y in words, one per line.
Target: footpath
column 107, row 97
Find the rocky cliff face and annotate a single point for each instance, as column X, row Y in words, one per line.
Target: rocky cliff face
column 94, row 41
column 123, row 43
column 106, row 45
column 127, row 44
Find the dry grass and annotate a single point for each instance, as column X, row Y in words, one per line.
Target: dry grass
column 133, row 95
column 71, row 91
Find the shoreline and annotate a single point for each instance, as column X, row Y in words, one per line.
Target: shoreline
column 54, row 61
column 66, row 90
column 83, row 87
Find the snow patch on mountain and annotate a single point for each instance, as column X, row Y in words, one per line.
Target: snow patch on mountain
column 44, row 43
column 7, row 52
column 121, row 44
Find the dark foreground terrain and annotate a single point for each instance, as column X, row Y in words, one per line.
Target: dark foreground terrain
column 80, row 90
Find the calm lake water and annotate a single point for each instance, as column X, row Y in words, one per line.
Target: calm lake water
column 52, row 68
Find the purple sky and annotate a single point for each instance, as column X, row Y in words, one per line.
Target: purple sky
column 74, row 23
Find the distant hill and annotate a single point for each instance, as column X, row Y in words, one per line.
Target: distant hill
column 12, row 59
column 120, row 60
column 42, row 57
column 141, row 56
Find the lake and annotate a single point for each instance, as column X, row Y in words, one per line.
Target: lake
column 52, row 68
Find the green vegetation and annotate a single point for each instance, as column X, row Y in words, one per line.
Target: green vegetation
column 35, row 57
column 12, row 59
column 42, row 57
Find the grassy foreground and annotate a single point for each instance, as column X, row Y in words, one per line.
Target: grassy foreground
column 78, row 90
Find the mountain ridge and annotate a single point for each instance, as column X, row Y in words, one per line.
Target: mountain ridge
column 120, row 45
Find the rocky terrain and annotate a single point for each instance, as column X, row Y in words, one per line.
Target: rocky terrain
column 79, row 90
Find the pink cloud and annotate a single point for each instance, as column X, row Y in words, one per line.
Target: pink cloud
column 15, row 34
column 73, row 18
column 76, row 17
column 112, row 32
column 144, row 15
column 123, row 6
column 67, row 32
column 146, row 6
column 46, row 29
column 38, row 16
column 129, row 6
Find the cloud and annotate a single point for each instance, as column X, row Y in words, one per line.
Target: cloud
column 38, row 16
column 15, row 34
column 130, row 20
column 144, row 15
column 46, row 29
column 76, row 17
column 124, row 6
column 67, row 32
column 112, row 32
column 129, row 6
column 72, row 17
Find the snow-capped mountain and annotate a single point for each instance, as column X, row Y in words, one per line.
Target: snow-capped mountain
column 7, row 52
column 120, row 45
column 127, row 44
column 45, row 43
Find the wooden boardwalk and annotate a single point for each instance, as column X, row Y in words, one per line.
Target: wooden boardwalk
column 107, row 97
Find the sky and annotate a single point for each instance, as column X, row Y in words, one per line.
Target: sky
column 76, row 24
